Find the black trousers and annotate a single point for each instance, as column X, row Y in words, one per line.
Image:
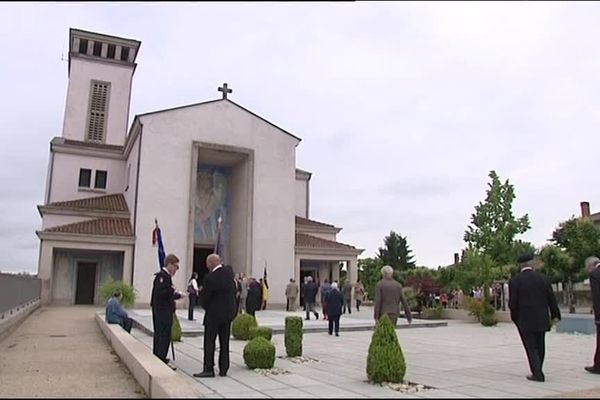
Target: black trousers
column 211, row 331
column 348, row 305
column 191, row 306
column 162, row 320
column 535, row 347
column 597, row 354
column 334, row 324
column 127, row 324
column 358, row 303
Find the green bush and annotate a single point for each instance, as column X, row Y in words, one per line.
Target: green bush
column 488, row 315
column 240, row 328
column 110, row 286
column 262, row 331
column 433, row 312
column 385, row 362
column 259, row 353
column 474, row 306
column 293, row 336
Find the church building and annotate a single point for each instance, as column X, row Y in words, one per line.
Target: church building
column 206, row 172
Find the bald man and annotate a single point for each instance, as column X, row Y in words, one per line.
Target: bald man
column 218, row 300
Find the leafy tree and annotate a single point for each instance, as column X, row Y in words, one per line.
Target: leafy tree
column 477, row 269
column 574, row 240
column 493, row 226
column 369, row 272
column 396, row 253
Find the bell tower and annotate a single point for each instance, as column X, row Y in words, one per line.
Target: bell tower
column 101, row 69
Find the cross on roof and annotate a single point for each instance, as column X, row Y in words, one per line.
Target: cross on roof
column 225, row 90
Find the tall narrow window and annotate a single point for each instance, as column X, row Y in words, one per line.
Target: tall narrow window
column 98, row 111
column 97, row 49
column 83, row 44
column 124, row 53
column 85, row 177
column 100, row 182
column 111, row 51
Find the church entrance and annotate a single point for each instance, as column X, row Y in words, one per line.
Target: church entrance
column 86, row 283
column 200, row 254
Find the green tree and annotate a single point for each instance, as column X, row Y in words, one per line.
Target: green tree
column 574, row 240
column 369, row 272
column 493, row 226
column 396, row 253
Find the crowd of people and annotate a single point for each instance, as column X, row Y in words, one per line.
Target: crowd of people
column 531, row 301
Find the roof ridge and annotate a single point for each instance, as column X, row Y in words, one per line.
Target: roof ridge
column 108, row 202
column 326, row 240
column 111, row 226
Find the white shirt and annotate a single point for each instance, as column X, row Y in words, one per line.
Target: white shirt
column 194, row 284
column 216, row 268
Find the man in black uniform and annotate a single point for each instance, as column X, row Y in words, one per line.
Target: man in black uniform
column 218, row 300
column 164, row 295
column 530, row 298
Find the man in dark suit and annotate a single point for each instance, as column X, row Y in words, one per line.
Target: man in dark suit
column 530, row 299
column 162, row 302
column 218, row 300
column 592, row 265
column 335, row 301
column 310, row 297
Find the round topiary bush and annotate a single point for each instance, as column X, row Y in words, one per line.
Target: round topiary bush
column 262, row 331
column 385, row 362
column 293, row 336
column 259, row 353
column 488, row 316
column 240, row 328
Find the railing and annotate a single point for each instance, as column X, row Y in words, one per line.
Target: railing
column 17, row 290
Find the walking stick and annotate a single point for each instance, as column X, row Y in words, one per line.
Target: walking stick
column 172, row 350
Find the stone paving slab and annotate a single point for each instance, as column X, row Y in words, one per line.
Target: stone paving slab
column 460, row 360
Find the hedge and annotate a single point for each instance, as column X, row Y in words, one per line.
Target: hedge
column 385, row 362
column 259, row 353
column 262, row 331
column 293, row 336
column 240, row 328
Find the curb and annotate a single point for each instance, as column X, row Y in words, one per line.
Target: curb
column 10, row 319
column 155, row 377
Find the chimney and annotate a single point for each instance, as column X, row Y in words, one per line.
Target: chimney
column 585, row 209
column 456, row 260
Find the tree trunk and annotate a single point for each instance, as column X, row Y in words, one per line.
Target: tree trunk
column 571, row 297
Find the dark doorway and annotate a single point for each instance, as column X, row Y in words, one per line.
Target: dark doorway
column 86, row 283
column 200, row 254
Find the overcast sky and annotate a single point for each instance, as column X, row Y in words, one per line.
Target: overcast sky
column 403, row 108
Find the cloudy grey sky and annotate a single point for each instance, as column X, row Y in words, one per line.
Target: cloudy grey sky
column 403, row 107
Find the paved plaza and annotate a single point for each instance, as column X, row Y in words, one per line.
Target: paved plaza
column 459, row 360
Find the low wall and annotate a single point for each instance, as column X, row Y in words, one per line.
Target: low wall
column 10, row 319
column 18, row 290
column 156, row 378
column 463, row 315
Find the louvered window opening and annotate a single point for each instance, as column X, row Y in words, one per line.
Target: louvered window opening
column 98, row 108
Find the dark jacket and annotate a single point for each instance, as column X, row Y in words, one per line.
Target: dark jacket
column 310, row 292
column 530, row 298
column 335, row 302
column 347, row 290
column 218, row 297
column 595, row 287
column 254, row 297
column 163, row 294
column 388, row 296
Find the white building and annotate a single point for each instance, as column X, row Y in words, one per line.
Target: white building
column 184, row 166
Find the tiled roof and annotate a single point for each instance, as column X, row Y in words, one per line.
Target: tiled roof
column 304, row 240
column 100, row 226
column 93, row 145
column 595, row 217
column 111, row 202
column 313, row 223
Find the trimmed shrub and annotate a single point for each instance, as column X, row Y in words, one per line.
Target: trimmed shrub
column 474, row 306
column 110, row 286
column 262, row 331
column 240, row 328
column 488, row 315
column 293, row 336
column 259, row 353
column 385, row 362
column 433, row 312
